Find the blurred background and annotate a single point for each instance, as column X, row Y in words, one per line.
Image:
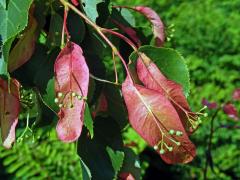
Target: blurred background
column 207, row 34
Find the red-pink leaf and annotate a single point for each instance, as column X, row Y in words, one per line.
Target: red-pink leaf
column 231, row 111
column 155, row 119
column 25, row 46
column 126, row 176
column 152, row 78
column 9, row 110
column 158, row 26
column 236, row 94
column 129, row 31
column 71, row 86
column 75, row 2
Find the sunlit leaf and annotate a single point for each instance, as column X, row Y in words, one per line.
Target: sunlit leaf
column 169, row 61
column 153, row 78
column 71, row 86
column 155, row 119
column 157, row 24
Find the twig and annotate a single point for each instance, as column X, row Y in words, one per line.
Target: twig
column 103, row 80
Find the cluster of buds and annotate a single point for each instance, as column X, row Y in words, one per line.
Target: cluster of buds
column 195, row 117
column 26, row 98
column 163, row 146
column 170, row 32
column 60, row 99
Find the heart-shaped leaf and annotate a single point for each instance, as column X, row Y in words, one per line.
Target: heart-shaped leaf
column 152, row 115
column 9, row 110
column 71, row 86
column 152, row 78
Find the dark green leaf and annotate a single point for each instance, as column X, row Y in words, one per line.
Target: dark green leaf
column 116, row 108
column 49, row 96
column 93, row 151
column 117, row 158
column 55, row 31
column 75, row 27
column 26, row 73
column 86, row 173
column 88, row 121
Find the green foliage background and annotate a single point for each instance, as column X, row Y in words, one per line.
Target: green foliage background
column 206, row 33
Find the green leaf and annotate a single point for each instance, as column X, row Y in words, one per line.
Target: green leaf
column 4, row 57
column 76, row 27
column 3, row 4
column 55, row 30
column 128, row 16
column 13, row 20
column 88, row 121
column 90, row 7
column 124, row 16
column 117, row 158
column 45, row 70
column 170, row 62
column 86, row 173
column 49, row 96
column 116, row 108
